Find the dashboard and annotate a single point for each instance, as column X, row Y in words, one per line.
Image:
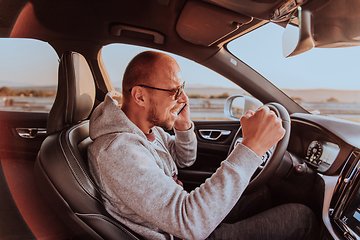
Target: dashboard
column 321, row 154
column 332, row 148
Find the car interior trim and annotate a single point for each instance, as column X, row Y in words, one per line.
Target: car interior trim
column 116, row 30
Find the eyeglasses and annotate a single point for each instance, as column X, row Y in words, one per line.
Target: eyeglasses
column 176, row 92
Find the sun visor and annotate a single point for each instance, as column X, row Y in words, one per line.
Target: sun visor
column 205, row 24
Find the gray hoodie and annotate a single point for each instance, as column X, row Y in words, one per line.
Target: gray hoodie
column 135, row 177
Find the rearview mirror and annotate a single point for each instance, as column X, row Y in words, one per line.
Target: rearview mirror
column 298, row 40
column 325, row 24
column 237, row 105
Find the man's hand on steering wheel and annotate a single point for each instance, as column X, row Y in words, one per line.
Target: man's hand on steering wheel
column 261, row 130
column 267, row 128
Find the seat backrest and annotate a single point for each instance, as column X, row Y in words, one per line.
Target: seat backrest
column 75, row 94
column 61, row 168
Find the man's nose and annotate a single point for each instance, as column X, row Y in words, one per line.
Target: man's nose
column 183, row 98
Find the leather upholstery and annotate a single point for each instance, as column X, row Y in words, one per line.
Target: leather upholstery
column 61, row 169
column 76, row 92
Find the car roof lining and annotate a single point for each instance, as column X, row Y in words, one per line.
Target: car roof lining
column 94, row 24
column 260, row 9
column 206, row 24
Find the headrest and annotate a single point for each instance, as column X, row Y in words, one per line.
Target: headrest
column 75, row 95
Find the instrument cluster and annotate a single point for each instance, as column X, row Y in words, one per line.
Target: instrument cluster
column 322, row 153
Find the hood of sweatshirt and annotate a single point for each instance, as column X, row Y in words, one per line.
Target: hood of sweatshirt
column 108, row 118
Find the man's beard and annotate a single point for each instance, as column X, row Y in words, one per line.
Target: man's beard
column 153, row 117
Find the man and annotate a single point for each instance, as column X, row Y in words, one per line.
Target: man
column 135, row 162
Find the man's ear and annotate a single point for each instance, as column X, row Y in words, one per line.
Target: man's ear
column 138, row 95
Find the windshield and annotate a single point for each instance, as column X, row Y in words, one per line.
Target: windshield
column 324, row 81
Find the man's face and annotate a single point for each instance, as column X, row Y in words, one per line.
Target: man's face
column 163, row 106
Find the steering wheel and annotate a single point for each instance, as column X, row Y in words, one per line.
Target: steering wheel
column 274, row 156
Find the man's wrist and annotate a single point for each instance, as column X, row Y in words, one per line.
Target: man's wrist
column 255, row 148
column 183, row 126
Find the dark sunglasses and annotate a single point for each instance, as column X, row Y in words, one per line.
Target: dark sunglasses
column 176, row 92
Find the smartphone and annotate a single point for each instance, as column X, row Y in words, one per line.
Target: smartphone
column 181, row 108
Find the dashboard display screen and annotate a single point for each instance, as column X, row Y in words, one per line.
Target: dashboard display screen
column 322, row 154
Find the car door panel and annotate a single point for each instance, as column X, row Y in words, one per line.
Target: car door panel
column 21, row 134
column 24, row 212
column 210, row 152
column 12, row 224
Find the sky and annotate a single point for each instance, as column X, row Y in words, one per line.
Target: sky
column 25, row 62
column 335, row 68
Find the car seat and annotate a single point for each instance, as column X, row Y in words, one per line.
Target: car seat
column 61, row 169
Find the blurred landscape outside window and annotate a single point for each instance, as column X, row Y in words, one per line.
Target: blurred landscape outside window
column 28, row 75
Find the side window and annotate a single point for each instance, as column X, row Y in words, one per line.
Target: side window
column 28, row 75
column 207, row 90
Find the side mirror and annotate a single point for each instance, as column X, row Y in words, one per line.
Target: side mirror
column 237, row 105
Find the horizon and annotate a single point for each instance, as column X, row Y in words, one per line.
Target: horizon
column 188, row 85
column 208, row 91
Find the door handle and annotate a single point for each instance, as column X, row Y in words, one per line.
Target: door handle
column 213, row 134
column 30, row 132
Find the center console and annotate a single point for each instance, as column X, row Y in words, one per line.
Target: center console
column 345, row 211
